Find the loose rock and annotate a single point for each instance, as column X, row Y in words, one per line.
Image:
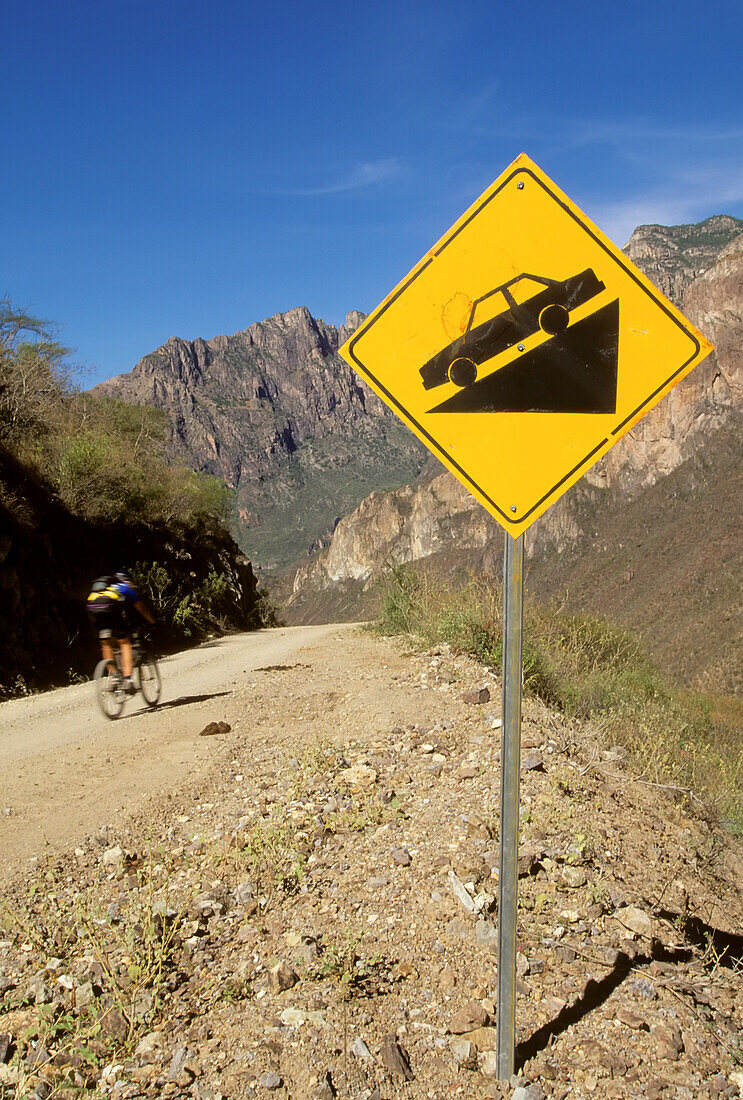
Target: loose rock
column 479, row 695
column 468, row 1018
column 395, row 1058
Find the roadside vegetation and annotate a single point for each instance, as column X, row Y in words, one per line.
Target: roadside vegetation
column 592, row 670
column 86, row 487
column 104, row 460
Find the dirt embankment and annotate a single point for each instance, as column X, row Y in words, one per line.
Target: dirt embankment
column 311, row 914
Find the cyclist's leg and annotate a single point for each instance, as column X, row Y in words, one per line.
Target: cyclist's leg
column 127, row 655
column 105, row 628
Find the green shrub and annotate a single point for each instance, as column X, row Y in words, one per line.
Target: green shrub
column 179, row 603
column 464, row 616
column 108, row 460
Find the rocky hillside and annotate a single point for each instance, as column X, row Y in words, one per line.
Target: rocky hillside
column 315, row 916
column 672, row 256
column 438, row 516
column 282, row 419
column 49, row 558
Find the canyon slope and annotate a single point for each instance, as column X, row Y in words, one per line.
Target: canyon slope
column 283, row 420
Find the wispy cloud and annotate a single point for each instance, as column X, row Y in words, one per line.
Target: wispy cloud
column 681, row 196
column 669, row 173
column 366, row 174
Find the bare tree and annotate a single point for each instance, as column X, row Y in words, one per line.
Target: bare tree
column 33, row 373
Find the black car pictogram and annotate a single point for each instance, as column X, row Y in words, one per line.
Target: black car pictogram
column 547, row 311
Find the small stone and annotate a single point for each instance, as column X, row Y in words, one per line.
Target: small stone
column 530, row 859
column 293, row 1017
column 84, row 994
column 464, row 1052
column 669, row 1043
column 484, row 1038
column 211, row 729
column 377, row 882
column 395, row 1058
column 150, row 1047
column 282, row 977
column 114, row 1024
column 270, row 1081
column 480, row 830
column 462, row 893
column 631, row 1019
column 468, row 771
column 635, row 920
column 5, row 1041
column 401, row 856
column 573, row 877
column 40, row 992
column 528, row 1092
column 112, row 857
column 359, row 775
column 468, row 1018
column 360, row 1050
column 532, row 763
column 324, row 1090
column 178, row 1061
column 737, row 1079
column 447, row 980
column 479, row 695
column 488, row 1064
column 486, row 934
column 644, row 988
column 522, row 964
column 564, row 953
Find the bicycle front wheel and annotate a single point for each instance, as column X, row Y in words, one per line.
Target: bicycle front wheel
column 150, row 683
column 108, row 689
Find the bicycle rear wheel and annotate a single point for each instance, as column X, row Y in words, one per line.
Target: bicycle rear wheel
column 108, row 689
column 150, row 682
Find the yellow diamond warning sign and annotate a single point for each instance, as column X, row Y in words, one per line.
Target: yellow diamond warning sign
column 523, row 346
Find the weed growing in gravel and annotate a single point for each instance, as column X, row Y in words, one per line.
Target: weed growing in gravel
column 589, row 669
column 339, row 961
column 105, row 970
column 272, row 853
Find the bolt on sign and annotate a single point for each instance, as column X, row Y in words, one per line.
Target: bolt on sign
column 523, row 346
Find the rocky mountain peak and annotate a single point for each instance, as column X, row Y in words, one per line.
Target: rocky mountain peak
column 277, row 414
column 672, row 256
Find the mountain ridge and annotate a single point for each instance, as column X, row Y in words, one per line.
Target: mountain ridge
column 277, row 414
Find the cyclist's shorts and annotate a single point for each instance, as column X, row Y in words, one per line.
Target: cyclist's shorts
column 110, row 624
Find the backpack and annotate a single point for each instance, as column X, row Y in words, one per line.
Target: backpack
column 103, row 583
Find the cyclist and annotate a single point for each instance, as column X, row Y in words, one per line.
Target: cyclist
column 108, row 603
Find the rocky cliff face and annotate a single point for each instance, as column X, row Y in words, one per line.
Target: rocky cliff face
column 281, row 418
column 672, row 256
column 706, row 268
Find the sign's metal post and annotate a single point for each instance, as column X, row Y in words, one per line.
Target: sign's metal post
column 513, row 590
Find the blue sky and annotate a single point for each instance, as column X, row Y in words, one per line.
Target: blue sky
column 182, row 167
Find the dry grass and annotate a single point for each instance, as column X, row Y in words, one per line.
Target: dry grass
column 588, row 668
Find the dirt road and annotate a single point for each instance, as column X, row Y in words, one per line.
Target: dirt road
column 68, row 771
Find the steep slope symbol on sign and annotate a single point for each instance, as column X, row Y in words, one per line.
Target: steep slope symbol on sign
column 571, row 368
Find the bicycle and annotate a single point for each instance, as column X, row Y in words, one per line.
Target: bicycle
column 109, row 679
